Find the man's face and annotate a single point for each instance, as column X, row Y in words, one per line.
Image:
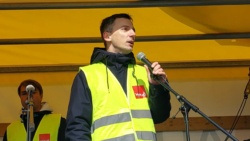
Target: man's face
column 36, row 96
column 122, row 36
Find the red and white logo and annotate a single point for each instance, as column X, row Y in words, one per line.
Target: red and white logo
column 139, row 92
column 44, row 137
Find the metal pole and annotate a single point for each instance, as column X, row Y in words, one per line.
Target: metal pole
column 123, row 4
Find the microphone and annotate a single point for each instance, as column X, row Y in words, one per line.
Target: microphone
column 30, row 89
column 142, row 57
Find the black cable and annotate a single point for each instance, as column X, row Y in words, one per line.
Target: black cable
column 237, row 117
column 242, row 106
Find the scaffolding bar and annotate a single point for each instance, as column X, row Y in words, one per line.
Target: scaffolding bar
column 212, row 36
column 122, row 4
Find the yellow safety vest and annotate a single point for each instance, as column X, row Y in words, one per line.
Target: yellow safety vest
column 46, row 131
column 117, row 116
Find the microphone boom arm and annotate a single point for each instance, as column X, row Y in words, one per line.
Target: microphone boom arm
column 186, row 105
column 185, row 108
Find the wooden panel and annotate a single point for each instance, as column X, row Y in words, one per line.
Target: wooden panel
column 200, row 123
column 195, row 124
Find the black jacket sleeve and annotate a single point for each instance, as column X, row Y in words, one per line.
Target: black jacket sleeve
column 159, row 103
column 61, row 130
column 79, row 115
column 5, row 136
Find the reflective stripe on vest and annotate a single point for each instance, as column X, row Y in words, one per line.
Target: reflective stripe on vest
column 117, row 115
column 124, row 117
column 141, row 136
column 49, row 125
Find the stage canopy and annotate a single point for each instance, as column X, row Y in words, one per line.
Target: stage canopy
column 36, row 35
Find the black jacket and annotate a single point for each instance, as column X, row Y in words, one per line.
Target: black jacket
column 79, row 116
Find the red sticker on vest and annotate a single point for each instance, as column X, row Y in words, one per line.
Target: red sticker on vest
column 44, row 137
column 139, row 92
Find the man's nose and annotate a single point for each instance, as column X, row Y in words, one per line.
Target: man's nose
column 132, row 34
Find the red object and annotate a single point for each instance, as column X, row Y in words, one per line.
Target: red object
column 139, row 92
column 44, row 137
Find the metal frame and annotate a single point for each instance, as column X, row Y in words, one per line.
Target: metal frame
column 123, row 4
column 165, row 65
column 155, row 38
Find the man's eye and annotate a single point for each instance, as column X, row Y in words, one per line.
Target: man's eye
column 125, row 28
column 23, row 93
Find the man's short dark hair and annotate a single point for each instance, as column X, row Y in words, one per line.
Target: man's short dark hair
column 27, row 82
column 107, row 23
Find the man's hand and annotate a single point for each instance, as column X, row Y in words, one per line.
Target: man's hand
column 157, row 71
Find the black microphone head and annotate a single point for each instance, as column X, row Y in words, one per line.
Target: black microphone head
column 30, row 88
column 140, row 55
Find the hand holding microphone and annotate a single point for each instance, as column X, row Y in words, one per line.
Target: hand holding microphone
column 155, row 71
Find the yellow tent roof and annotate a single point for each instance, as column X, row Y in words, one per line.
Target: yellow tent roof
column 174, row 33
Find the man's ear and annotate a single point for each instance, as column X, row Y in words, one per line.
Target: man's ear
column 106, row 36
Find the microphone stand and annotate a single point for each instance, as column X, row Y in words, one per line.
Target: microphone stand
column 186, row 106
column 30, row 116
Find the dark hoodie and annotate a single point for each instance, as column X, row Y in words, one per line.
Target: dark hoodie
column 79, row 116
